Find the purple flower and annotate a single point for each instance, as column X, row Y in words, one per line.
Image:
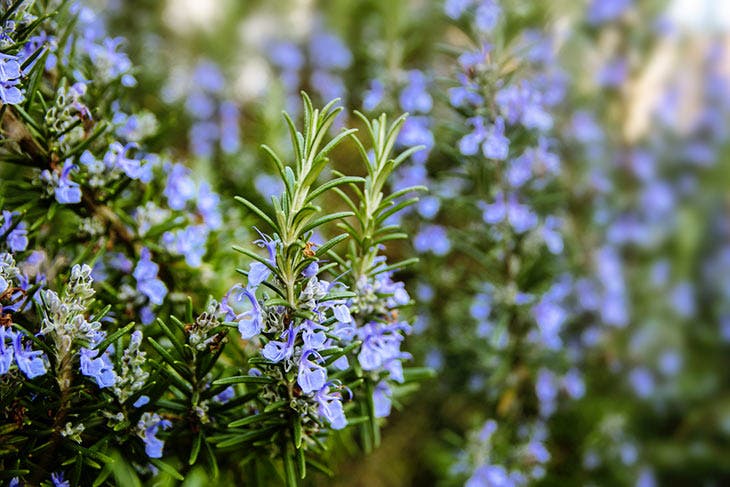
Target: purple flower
column 10, row 74
column 642, row 381
column 117, row 157
column 250, row 319
column 328, row 85
column 381, row 344
column 229, row 129
column 31, row 362
column 550, row 317
column 6, row 349
column 109, row 63
column 189, row 242
column 17, row 239
column 372, row 97
column 381, row 399
column 141, row 401
column 490, row 475
column 286, row 56
column 613, row 73
column 310, row 377
column 456, row 8
column 602, row 11
column 551, row 234
column 467, row 93
column 311, row 270
column 257, row 273
column 342, row 313
column 487, row 15
column 147, row 282
column 267, row 185
column 208, row 77
column 428, row 207
column 524, row 103
column 57, row 478
column 330, row 407
column 520, row 217
column 415, row 97
column 180, row 187
column 573, row 384
column 546, row 389
column 416, row 131
column 100, row 368
column 276, row 351
column 148, row 428
column 432, row 238
column 225, row 395
column 469, row 144
column 67, row 191
column 327, row 51
column 496, row 145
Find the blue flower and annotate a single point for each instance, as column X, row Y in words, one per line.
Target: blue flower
column 327, row 51
column 286, row 56
column 229, row 131
column 381, row 399
column 109, row 63
column 249, row 320
column 415, row 97
column 496, row 145
column 520, row 217
column 225, row 395
column 17, row 239
column 58, row 480
column 487, row 15
column 190, row 242
column 330, row 407
column 381, row 343
column 267, row 185
column 573, row 384
column 602, row 11
column 328, row 85
column 6, row 349
column 432, row 238
column 180, row 187
column 208, row 77
column 141, row 401
column 276, row 351
column 147, row 282
column 10, row 74
column 415, row 132
column 257, row 273
column 456, row 8
column 311, row 270
column 642, row 381
column 490, row 475
column 467, row 93
column 31, row 362
column 100, row 368
column 372, row 97
column 310, row 377
column 546, row 389
column 313, row 335
column 469, row 144
column 67, row 191
column 550, row 317
column 116, row 157
column 613, row 73
column 148, row 428
column 551, row 234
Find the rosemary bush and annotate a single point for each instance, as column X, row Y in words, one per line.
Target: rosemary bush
column 523, row 281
